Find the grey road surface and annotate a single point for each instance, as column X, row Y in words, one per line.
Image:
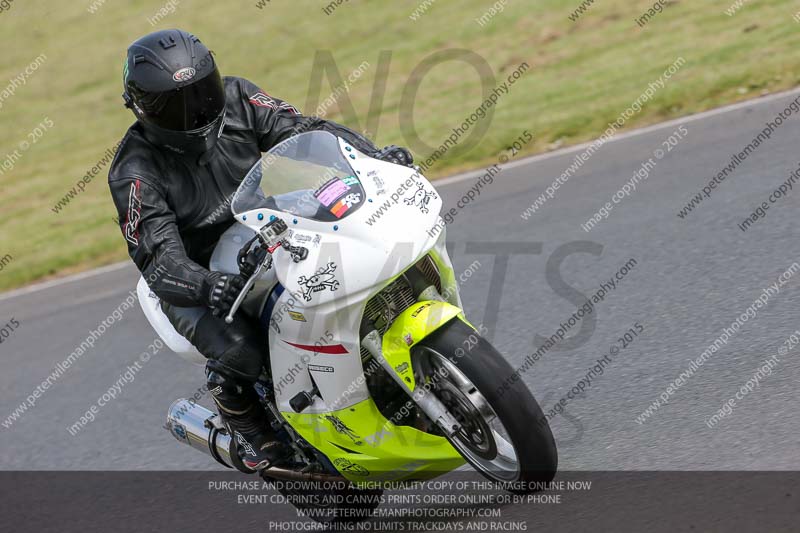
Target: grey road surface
column 692, row 278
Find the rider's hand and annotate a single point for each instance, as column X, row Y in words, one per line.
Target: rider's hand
column 396, row 154
column 222, row 290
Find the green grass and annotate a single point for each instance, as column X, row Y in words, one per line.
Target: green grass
column 582, row 75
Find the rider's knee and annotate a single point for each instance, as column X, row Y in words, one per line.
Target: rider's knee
column 244, row 357
column 237, row 351
column 243, row 354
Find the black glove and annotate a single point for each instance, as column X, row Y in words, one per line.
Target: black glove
column 222, row 290
column 395, row 154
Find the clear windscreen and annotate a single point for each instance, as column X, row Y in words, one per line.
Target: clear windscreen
column 306, row 175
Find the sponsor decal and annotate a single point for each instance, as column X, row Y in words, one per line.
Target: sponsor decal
column 346, row 465
column 304, row 238
column 299, row 317
column 134, row 213
column 379, row 183
column 331, row 190
column 179, row 431
column 350, row 180
column 321, row 368
column 330, row 349
column 322, row 280
column 421, row 198
column 339, row 209
column 342, row 428
column 402, row 368
column 352, row 199
column 262, row 99
column 184, row 74
column 409, row 340
column 419, row 309
column 336, row 195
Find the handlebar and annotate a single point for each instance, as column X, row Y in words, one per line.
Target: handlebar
column 269, row 240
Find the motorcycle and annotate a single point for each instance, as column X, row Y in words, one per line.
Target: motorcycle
column 376, row 376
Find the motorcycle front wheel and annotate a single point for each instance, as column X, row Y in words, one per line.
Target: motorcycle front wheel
column 502, row 431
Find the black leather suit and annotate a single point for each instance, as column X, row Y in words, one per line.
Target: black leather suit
column 173, row 208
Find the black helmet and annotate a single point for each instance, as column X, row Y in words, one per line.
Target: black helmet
column 173, row 86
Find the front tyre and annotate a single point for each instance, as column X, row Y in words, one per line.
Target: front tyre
column 502, row 431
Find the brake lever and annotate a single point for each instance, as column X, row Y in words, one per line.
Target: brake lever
column 268, row 237
column 247, row 286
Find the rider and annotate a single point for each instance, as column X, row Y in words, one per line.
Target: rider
column 195, row 137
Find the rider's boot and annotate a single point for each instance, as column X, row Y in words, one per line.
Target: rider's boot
column 247, row 423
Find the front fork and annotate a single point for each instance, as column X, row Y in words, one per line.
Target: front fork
column 410, row 327
column 421, row 395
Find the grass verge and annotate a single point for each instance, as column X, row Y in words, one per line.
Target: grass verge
column 581, row 75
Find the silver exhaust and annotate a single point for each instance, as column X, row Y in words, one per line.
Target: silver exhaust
column 201, row 429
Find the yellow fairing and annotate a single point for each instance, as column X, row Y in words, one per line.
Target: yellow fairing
column 364, row 446
column 413, row 325
column 361, row 443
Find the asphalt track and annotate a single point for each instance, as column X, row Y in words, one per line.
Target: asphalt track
column 692, row 278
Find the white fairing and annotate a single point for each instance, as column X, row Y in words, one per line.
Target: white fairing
column 349, row 261
column 176, row 342
column 223, row 259
column 315, row 310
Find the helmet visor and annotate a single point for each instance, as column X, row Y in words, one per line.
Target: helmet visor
column 188, row 108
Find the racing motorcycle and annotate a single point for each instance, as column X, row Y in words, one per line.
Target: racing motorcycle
column 376, row 376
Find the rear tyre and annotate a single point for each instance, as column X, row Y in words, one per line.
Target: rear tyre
column 503, row 433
